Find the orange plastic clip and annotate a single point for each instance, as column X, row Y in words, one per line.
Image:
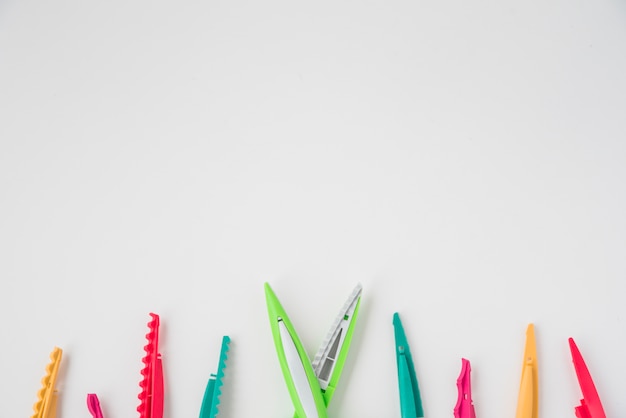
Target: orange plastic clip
column 151, row 395
column 46, row 404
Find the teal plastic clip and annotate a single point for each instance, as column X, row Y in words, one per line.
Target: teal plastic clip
column 213, row 390
column 410, row 399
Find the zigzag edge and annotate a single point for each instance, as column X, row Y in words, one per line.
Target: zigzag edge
column 151, row 350
column 47, row 382
column 221, row 365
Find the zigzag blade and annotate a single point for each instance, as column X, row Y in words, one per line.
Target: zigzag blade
column 328, row 362
column 335, row 327
column 147, row 371
column 217, row 390
column 44, row 395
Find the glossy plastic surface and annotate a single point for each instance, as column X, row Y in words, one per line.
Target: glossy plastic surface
column 93, row 404
column 590, row 405
column 410, row 399
column 464, row 405
column 152, row 394
column 528, row 399
column 45, row 406
column 213, row 390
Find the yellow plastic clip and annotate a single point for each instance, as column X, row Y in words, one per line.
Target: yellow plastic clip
column 46, row 404
column 528, row 399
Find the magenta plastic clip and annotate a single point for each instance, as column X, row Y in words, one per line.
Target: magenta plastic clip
column 94, row 405
column 590, row 405
column 464, row 405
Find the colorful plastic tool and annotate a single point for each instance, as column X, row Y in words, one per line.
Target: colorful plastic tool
column 93, row 404
column 46, row 404
column 528, row 399
column 151, row 395
column 410, row 399
column 590, row 405
column 213, row 390
column 311, row 385
column 464, row 405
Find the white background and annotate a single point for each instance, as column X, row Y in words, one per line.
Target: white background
column 463, row 160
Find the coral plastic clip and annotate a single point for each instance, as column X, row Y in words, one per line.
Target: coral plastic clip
column 464, row 405
column 590, row 405
column 46, row 404
column 528, row 399
column 93, row 404
column 151, row 395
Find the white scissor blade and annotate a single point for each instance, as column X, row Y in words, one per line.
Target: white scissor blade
column 298, row 374
column 325, row 360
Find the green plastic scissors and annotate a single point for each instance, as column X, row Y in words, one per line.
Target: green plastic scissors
column 312, row 385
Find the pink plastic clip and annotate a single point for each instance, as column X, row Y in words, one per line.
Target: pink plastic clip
column 464, row 405
column 93, row 404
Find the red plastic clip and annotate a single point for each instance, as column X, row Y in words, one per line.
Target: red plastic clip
column 464, row 405
column 590, row 405
column 151, row 395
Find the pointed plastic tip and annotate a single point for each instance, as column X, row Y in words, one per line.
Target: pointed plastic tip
column 576, row 356
column 530, row 334
column 358, row 287
column 573, row 348
column 92, row 399
column 398, row 330
column 93, row 404
column 56, row 354
column 465, row 363
column 269, row 293
column 274, row 308
column 530, row 337
column 466, row 368
column 464, row 405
